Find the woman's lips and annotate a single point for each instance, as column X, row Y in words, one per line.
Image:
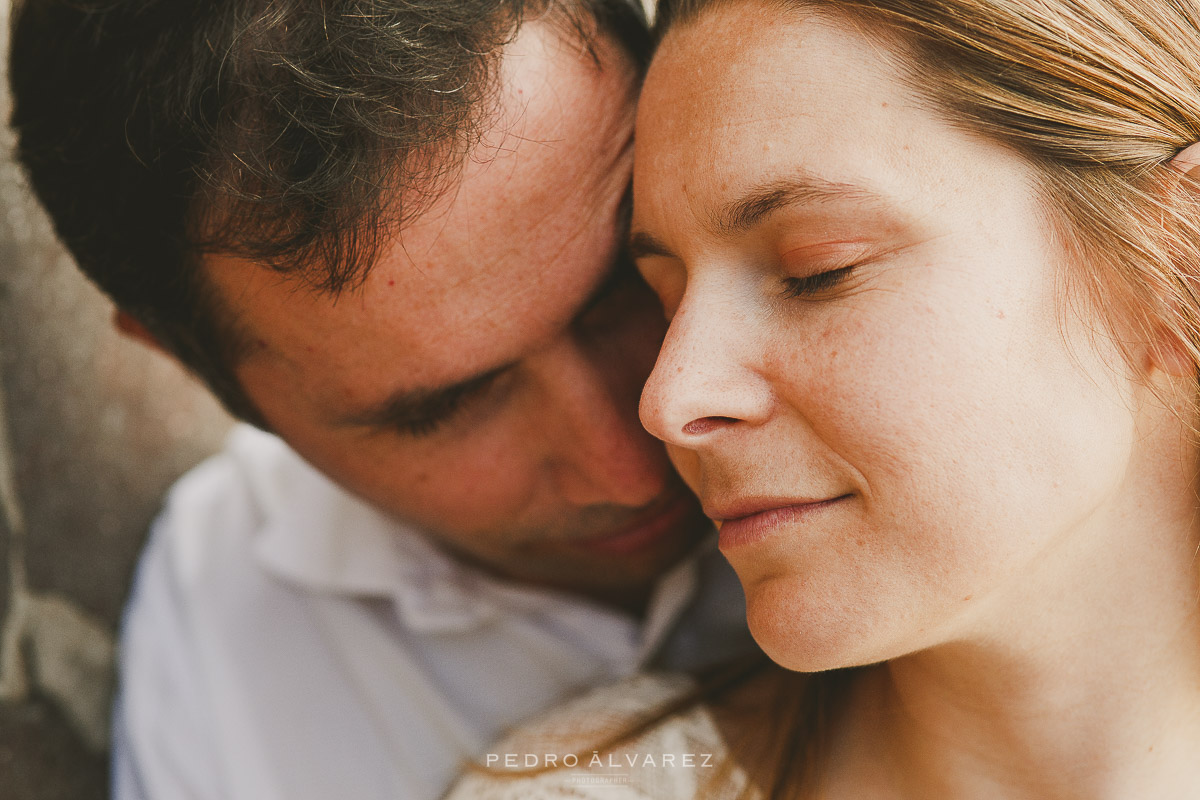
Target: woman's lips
column 751, row 521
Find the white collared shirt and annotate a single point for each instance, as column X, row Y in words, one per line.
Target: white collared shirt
column 286, row 641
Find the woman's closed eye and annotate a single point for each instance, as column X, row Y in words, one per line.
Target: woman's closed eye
column 812, row 286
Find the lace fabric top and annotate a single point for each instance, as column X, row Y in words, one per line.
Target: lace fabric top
column 682, row 758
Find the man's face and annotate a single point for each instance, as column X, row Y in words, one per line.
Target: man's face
column 483, row 382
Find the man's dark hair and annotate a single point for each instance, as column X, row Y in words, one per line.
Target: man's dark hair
column 284, row 131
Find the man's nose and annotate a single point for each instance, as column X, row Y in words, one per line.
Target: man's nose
column 706, row 380
column 600, row 452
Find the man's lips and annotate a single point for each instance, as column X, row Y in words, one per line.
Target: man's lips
column 753, row 519
column 661, row 522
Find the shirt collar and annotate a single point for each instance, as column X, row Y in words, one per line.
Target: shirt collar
column 318, row 536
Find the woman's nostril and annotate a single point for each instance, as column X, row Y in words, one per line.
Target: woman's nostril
column 706, row 425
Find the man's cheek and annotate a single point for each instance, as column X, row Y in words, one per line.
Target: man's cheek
column 474, row 493
column 687, row 464
column 643, row 338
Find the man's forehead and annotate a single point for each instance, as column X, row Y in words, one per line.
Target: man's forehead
column 429, row 323
column 500, row 261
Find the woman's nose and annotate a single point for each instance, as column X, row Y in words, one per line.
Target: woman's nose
column 705, row 380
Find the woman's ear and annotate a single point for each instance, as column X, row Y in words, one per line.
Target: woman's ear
column 129, row 326
column 1187, row 159
column 1169, row 355
column 1167, row 352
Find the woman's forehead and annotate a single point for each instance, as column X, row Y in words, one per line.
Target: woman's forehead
column 800, row 99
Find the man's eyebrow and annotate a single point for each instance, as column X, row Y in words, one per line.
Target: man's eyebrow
column 415, row 405
column 759, row 202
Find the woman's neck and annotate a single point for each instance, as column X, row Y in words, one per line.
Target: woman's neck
column 1017, row 731
column 1081, row 680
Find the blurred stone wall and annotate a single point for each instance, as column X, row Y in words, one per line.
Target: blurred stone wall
column 93, row 428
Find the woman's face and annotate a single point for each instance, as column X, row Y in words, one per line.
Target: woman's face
column 873, row 378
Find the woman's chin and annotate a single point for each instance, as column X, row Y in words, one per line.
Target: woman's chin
column 804, row 633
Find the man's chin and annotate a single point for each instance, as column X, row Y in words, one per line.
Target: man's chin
column 618, row 579
column 631, row 559
column 627, row 557
column 669, row 528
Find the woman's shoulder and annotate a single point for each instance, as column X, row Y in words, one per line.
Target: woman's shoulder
column 563, row 754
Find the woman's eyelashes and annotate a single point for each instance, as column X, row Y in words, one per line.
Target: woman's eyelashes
column 813, row 286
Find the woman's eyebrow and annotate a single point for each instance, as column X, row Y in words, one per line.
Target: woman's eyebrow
column 758, row 203
column 764, row 199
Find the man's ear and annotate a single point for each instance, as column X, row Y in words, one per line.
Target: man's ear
column 1168, row 353
column 129, row 326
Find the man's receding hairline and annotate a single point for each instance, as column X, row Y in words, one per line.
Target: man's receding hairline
column 555, row 19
